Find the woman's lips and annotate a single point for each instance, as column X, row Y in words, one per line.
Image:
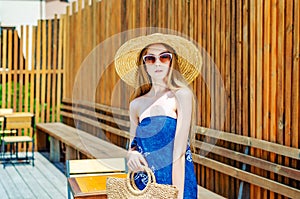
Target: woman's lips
column 158, row 71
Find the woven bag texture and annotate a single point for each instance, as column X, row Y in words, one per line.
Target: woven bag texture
column 121, row 188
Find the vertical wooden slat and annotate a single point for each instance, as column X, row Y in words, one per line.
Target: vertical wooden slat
column 66, row 52
column 204, row 68
column 73, row 48
column 102, row 67
column 19, row 100
column 227, row 78
column 280, row 81
column 252, row 74
column 44, row 65
column 21, row 69
column 221, row 17
column 203, row 85
column 80, row 51
column 233, row 75
column 288, row 63
column 239, row 66
column 186, row 26
column 88, row 42
column 4, row 67
column 217, row 83
column 27, row 91
column 259, row 80
column 9, row 66
column 62, row 41
column 49, row 70
column 245, row 63
column 238, row 85
column 198, row 36
column 273, row 81
column 54, row 66
column 33, row 75
column 94, row 25
column 38, row 71
column 191, row 20
column 208, row 172
column 266, row 75
column 15, row 68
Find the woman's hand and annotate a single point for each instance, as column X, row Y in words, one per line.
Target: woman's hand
column 136, row 161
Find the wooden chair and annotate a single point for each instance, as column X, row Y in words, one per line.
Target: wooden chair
column 12, row 122
column 4, row 111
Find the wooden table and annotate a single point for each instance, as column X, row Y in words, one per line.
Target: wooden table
column 91, row 187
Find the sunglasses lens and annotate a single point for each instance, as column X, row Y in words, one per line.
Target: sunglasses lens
column 166, row 57
column 163, row 58
column 149, row 59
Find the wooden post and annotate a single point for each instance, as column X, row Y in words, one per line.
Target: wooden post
column 54, row 150
column 71, row 154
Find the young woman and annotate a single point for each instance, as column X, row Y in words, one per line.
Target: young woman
column 161, row 109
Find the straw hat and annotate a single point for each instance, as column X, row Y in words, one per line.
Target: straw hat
column 127, row 57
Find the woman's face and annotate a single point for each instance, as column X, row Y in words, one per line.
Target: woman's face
column 157, row 60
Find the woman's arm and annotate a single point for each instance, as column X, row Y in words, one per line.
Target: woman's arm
column 184, row 113
column 135, row 160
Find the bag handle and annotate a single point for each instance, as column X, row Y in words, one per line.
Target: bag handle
column 151, row 178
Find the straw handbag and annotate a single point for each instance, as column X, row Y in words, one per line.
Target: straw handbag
column 125, row 188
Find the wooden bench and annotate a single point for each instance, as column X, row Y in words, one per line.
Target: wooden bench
column 206, row 194
column 77, row 143
column 85, row 132
column 109, row 123
column 217, row 150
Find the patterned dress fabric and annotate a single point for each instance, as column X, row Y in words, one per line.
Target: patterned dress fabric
column 155, row 141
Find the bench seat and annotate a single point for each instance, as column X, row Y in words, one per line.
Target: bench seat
column 76, row 141
column 206, row 194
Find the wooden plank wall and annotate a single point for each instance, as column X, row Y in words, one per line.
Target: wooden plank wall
column 33, row 87
column 255, row 48
column 253, row 44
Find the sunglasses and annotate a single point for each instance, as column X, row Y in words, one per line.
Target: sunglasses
column 163, row 58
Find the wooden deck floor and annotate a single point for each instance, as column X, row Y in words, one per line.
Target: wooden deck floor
column 44, row 180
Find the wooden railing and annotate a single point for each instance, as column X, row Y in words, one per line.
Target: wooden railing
column 228, row 154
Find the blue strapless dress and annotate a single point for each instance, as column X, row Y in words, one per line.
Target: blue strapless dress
column 155, row 141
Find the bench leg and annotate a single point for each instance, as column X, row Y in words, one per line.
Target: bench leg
column 71, row 154
column 54, row 150
column 33, row 153
column 41, row 138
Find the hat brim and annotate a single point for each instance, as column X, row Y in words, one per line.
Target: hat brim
column 126, row 58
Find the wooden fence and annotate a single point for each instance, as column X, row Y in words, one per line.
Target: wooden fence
column 252, row 44
column 33, row 87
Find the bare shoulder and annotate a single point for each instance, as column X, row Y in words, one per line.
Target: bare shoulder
column 184, row 93
column 135, row 105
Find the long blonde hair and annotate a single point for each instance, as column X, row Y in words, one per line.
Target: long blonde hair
column 175, row 81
